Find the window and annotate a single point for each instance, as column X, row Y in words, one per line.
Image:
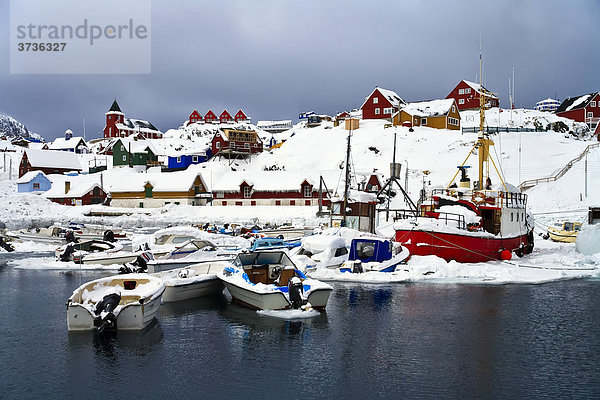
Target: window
column 277, row 202
column 178, row 160
column 517, row 217
column 122, row 148
column 387, row 110
column 292, row 202
column 253, row 203
column 340, row 251
column 246, row 145
column 247, row 192
column 452, row 121
column 512, row 217
column 224, row 203
column 218, row 145
column 590, row 114
column 461, row 91
column 124, row 158
column 377, row 111
column 232, row 145
column 195, row 159
column 307, row 202
column 220, row 195
column 148, row 191
column 36, row 185
column 423, row 121
column 453, row 109
column 306, row 191
column 375, row 100
column 461, row 101
column 467, row 90
column 593, row 104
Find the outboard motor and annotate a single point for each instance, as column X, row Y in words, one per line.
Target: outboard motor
column 6, row 246
column 67, row 254
column 357, row 267
column 109, row 236
column 295, row 290
column 70, row 236
column 105, row 318
column 140, row 264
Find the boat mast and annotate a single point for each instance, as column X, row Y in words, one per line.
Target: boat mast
column 347, row 180
column 482, row 139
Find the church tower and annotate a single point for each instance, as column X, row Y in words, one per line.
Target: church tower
column 114, row 116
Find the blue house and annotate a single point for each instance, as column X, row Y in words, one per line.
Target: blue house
column 184, row 160
column 33, row 181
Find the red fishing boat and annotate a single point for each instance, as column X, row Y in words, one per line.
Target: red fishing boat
column 469, row 223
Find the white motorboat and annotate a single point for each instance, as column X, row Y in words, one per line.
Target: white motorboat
column 77, row 252
column 191, row 252
column 128, row 302
column 320, row 251
column 269, row 280
column 196, row 280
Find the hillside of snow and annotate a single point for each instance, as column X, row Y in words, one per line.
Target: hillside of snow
column 321, row 150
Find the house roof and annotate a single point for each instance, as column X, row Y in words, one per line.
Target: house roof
column 430, row 108
column 115, row 107
column 389, row 95
column 53, row 159
column 480, row 89
column 575, row 103
column 139, row 125
column 62, row 143
column 179, row 181
column 270, row 181
column 79, row 185
column 136, row 146
column 29, row 176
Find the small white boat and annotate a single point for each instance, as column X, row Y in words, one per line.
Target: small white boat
column 191, row 252
column 77, row 252
column 128, row 302
column 197, row 280
column 320, row 251
column 269, row 280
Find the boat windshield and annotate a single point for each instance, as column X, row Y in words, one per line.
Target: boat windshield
column 260, row 258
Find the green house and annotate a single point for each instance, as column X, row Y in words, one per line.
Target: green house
column 127, row 152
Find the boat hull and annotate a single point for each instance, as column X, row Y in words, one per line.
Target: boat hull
column 273, row 300
column 133, row 316
column 463, row 248
column 209, row 285
column 563, row 236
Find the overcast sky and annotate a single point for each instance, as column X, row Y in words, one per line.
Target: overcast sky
column 276, row 58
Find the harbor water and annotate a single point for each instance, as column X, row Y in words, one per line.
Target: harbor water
column 374, row 341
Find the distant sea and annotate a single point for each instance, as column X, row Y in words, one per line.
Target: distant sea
column 375, row 341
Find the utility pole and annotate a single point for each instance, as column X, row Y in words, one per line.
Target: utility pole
column 586, row 176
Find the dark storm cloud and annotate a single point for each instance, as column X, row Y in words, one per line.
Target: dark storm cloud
column 277, row 58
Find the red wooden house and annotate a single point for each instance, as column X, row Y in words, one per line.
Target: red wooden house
column 210, row 117
column 236, row 142
column 225, row 117
column 49, row 162
column 584, row 108
column 381, row 104
column 467, row 95
column 240, row 116
column 194, row 117
column 78, row 190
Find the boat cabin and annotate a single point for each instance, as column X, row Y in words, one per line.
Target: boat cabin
column 370, row 250
column 267, row 243
column 267, row 267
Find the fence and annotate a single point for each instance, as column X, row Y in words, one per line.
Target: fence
column 528, row 184
column 499, row 129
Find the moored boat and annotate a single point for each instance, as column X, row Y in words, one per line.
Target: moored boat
column 565, row 232
column 269, row 280
column 196, row 280
column 127, row 302
column 374, row 254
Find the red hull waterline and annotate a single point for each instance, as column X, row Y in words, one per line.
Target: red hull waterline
column 461, row 248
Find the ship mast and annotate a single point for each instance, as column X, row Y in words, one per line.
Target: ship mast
column 483, row 142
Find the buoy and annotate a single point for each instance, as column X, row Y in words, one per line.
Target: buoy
column 505, row 255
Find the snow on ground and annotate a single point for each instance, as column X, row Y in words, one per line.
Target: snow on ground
column 322, row 149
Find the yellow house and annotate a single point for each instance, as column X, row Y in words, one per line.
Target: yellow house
column 439, row 114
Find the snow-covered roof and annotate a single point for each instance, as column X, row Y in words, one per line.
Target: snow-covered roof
column 179, row 181
column 79, row 185
column 269, row 124
column 53, row 159
column 480, row 89
column 390, row 96
column 138, row 125
column 549, row 100
column 271, row 181
column 573, row 103
column 136, row 146
column 430, row 108
column 29, row 176
column 62, row 143
column 7, row 145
